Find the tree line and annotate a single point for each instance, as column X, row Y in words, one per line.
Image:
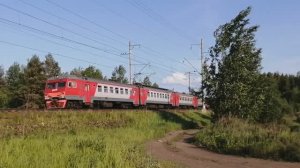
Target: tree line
column 22, row 86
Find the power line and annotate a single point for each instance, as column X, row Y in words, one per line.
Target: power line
column 84, row 18
column 69, row 21
column 62, row 38
column 144, row 48
column 57, row 54
column 6, row 21
column 158, row 18
column 87, row 20
column 55, row 25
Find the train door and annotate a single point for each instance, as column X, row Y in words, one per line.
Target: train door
column 86, row 93
column 143, row 96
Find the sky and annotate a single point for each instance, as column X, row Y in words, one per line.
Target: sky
column 97, row 32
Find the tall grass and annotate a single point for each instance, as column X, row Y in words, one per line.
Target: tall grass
column 240, row 137
column 84, row 139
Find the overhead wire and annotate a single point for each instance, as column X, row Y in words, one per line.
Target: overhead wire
column 69, row 21
column 66, row 39
column 143, row 28
column 87, row 20
column 57, row 54
column 84, row 18
column 158, row 18
column 57, row 26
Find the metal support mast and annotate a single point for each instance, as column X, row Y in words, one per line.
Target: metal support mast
column 202, row 75
column 201, row 70
column 130, row 47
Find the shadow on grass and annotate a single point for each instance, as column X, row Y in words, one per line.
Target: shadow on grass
column 172, row 117
column 204, row 116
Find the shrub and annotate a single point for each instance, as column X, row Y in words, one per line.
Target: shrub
column 241, row 137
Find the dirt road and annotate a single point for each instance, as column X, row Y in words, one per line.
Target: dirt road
column 175, row 147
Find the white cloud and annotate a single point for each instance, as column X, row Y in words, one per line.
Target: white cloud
column 176, row 78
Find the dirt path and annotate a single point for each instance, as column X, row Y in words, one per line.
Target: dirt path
column 175, row 147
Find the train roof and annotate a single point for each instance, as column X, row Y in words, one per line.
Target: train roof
column 89, row 79
column 115, row 83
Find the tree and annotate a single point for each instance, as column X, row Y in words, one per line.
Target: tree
column 273, row 106
column 2, row 80
column 34, row 75
column 51, row 67
column 231, row 79
column 77, row 72
column 3, row 89
column 118, row 75
column 92, row 72
column 155, row 85
column 15, row 85
column 147, row 81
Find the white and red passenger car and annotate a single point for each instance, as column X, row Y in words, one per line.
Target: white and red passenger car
column 74, row 92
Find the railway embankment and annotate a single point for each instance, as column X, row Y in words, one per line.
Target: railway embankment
column 87, row 138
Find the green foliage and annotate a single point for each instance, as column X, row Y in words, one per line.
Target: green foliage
column 15, row 85
column 118, row 75
column 232, row 81
column 84, row 138
column 92, row 72
column 89, row 72
column 51, row 67
column 2, row 80
column 147, row 81
column 155, row 85
column 3, row 89
column 240, row 137
column 35, row 78
column 76, row 72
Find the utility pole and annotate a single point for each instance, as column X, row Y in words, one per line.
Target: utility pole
column 201, row 70
column 189, row 76
column 130, row 48
column 202, row 75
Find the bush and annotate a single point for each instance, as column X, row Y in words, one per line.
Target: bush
column 240, row 137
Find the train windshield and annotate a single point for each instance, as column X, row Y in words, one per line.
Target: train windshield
column 61, row 84
column 55, row 85
column 51, row 85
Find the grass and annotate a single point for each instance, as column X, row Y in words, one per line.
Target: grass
column 240, row 137
column 86, row 138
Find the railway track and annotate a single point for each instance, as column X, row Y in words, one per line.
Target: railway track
column 95, row 110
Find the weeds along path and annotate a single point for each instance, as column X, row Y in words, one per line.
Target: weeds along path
column 175, row 147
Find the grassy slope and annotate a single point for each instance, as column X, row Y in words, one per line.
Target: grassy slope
column 85, row 139
column 239, row 137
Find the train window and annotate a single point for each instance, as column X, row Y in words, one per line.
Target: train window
column 151, row 94
column 105, row 89
column 117, row 90
column 121, row 91
column 72, row 84
column 154, row 95
column 61, row 84
column 99, row 88
column 51, row 85
column 126, row 91
column 111, row 89
column 148, row 94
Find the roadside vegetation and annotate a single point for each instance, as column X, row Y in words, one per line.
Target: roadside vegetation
column 87, row 138
column 235, row 136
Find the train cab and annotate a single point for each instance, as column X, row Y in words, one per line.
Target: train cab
column 55, row 91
